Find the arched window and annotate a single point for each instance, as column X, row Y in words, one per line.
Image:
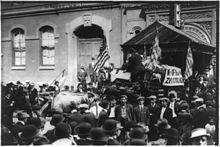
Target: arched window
column 19, row 46
column 47, row 45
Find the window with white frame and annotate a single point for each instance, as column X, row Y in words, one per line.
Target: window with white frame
column 47, row 45
column 19, row 46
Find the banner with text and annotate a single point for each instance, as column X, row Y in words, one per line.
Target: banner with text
column 173, row 77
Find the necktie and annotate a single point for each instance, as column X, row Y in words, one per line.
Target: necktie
column 141, row 108
column 97, row 113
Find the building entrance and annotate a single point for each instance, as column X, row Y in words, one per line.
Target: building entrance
column 89, row 41
column 88, row 49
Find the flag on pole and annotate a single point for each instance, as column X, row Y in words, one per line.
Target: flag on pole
column 189, row 63
column 102, row 57
column 156, row 50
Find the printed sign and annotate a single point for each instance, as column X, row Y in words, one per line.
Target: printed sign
column 173, row 77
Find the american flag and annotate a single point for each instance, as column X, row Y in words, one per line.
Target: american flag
column 102, row 57
column 156, row 50
column 189, row 63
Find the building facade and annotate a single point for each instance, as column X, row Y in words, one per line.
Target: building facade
column 40, row 40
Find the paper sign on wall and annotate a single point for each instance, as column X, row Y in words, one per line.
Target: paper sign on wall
column 173, row 77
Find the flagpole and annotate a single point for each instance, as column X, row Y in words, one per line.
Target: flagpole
column 57, row 77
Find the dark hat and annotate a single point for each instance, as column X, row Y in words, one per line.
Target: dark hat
column 57, row 118
column 112, row 97
column 21, row 115
column 184, row 106
column 83, row 129
column 98, row 134
column 137, row 142
column 35, row 121
column 140, row 98
column 163, row 124
column 171, row 133
column 41, row 140
column 73, row 125
column 129, row 125
column 18, row 82
column 110, row 125
column 137, row 133
column 104, row 103
column 28, row 132
column 62, row 130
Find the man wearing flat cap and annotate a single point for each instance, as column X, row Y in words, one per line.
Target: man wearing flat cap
column 141, row 112
column 154, row 110
column 124, row 112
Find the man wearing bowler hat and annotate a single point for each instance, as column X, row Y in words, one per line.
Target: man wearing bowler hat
column 28, row 134
column 111, row 128
column 98, row 136
column 83, row 131
column 18, row 127
column 137, row 133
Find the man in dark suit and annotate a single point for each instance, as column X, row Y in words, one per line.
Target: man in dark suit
column 141, row 112
column 135, row 66
column 124, row 112
column 19, row 125
column 174, row 106
column 165, row 111
column 20, row 99
column 154, row 110
column 103, row 115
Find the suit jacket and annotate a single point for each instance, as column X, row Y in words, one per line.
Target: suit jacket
column 154, row 113
column 51, row 135
column 18, row 127
column 129, row 113
column 112, row 141
column 176, row 107
column 142, row 116
column 103, row 115
column 168, row 115
column 33, row 96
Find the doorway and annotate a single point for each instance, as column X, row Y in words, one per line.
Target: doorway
column 89, row 42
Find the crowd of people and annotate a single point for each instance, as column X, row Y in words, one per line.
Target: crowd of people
column 120, row 115
column 122, row 112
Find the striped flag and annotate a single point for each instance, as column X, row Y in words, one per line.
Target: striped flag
column 189, row 63
column 102, row 57
column 156, row 50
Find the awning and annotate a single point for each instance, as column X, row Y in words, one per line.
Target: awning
column 168, row 36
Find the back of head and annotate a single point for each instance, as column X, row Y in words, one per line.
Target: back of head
column 62, row 130
column 35, row 121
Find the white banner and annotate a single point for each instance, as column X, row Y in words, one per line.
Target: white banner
column 120, row 75
column 173, row 77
